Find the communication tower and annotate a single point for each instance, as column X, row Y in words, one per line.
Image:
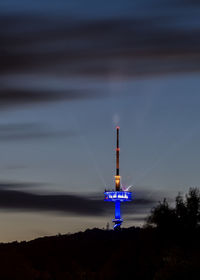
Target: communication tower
column 119, row 195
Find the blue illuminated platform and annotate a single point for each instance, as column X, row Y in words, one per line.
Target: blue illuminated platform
column 118, row 196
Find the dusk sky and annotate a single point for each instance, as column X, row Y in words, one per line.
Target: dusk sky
column 70, row 71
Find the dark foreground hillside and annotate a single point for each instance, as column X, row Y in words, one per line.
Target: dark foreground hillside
column 132, row 253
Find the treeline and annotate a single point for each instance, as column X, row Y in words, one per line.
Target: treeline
column 184, row 216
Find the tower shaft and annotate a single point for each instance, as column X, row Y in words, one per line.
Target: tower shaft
column 117, row 177
column 118, row 221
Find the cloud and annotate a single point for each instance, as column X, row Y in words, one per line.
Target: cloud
column 14, row 97
column 14, row 197
column 148, row 45
column 27, row 131
column 185, row 3
column 136, row 218
column 19, row 200
column 14, row 185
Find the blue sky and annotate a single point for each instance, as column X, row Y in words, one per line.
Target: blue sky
column 72, row 71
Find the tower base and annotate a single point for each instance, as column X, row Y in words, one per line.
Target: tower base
column 117, row 225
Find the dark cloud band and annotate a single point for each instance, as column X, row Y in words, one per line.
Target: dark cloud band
column 97, row 48
column 30, row 131
column 138, row 46
column 13, row 198
column 10, row 98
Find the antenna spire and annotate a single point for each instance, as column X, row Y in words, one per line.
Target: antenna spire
column 117, row 177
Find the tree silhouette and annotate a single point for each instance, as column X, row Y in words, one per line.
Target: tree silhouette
column 186, row 213
column 181, row 211
column 162, row 216
column 193, row 208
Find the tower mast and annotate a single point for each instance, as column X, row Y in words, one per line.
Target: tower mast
column 117, row 177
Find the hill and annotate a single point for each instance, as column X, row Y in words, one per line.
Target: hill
column 133, row 253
